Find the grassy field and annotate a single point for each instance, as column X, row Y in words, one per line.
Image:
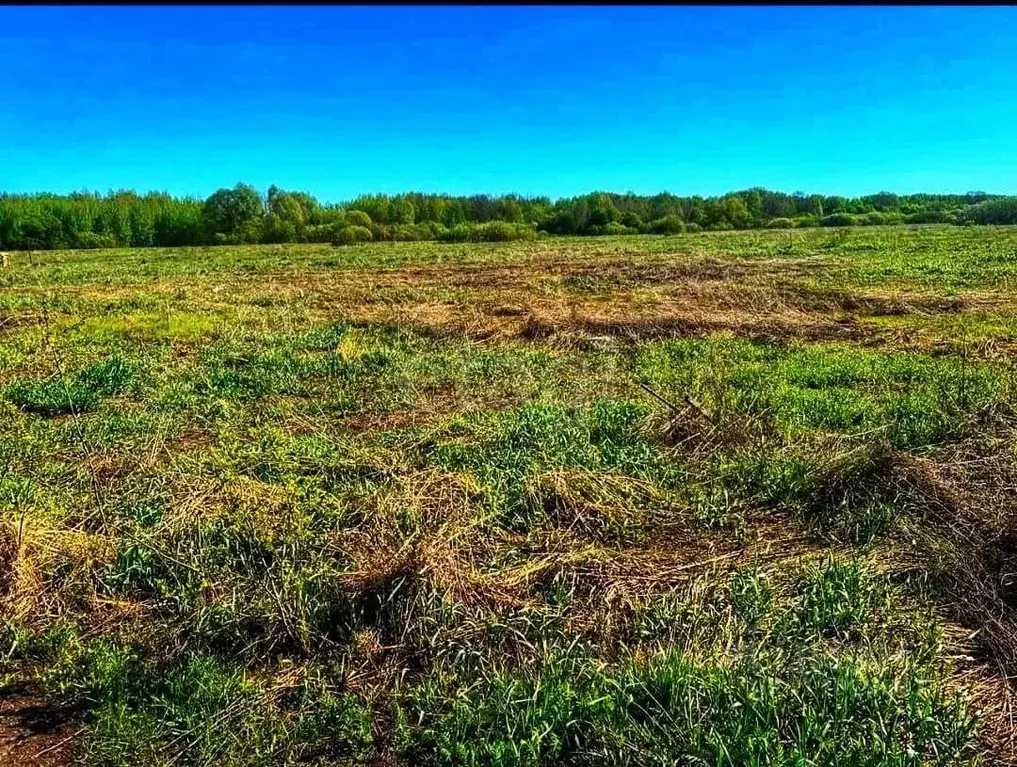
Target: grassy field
column 734, row 499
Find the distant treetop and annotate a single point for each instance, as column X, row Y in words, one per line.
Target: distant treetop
column 242, row 214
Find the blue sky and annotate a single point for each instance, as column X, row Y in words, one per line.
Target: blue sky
column 538, row 100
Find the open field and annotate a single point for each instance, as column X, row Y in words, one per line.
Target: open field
column 724, row 498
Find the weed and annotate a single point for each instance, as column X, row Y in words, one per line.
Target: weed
column 52, row 397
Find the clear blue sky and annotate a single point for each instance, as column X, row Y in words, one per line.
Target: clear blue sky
column 538, row 100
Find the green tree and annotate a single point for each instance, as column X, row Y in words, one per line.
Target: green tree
column 289, row 210
column 631, row 219
column 403, row 211
column 233, row 212
column 602, row 211
column 734, row 209
column 358, row 218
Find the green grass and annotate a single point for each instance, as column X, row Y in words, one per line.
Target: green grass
column 917, row 400
column 509, row 453
column 781, row 700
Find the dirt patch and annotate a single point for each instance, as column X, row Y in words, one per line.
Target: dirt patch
column 688, row 325
column 396, row 419
column 14, row 321
column 579, row 326
column 34, row 733
column 873, row 305
column 617, row 273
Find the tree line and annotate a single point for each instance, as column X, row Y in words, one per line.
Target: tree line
column 243, row 215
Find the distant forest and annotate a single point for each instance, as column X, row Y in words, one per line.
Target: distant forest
column 243, row 215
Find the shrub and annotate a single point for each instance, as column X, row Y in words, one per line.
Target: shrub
column 780, row 223
column 90, row 240
column 668, row 225
column 351, row 235
column 614, row 228
column 524, row 231
column 492, row 231
column 930, row 217
column 322, row 233
column 274, row 229
column 838, row 219
column 410, row 232
column 457, row 233
column 401, row 232
column 499, row 231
